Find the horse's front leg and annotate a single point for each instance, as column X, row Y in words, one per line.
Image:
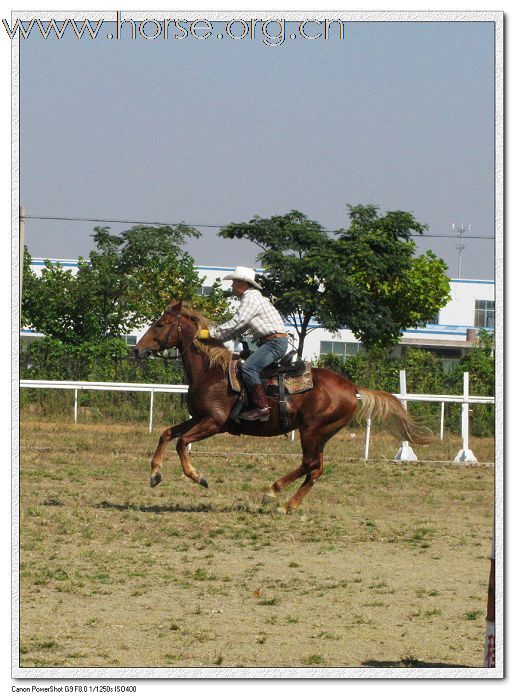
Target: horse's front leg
column 157, row 459
column 203, row 429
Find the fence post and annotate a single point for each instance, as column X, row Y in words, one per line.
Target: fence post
column 442, row 414
column 405, row 453
column 151, row 410
column 75, row 406
column 465, row 454
column 367, row 437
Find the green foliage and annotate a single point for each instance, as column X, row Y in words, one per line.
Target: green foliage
column 480, row 363
column 107, row 361
column 27, row 275
column 128, row 280
column 424, row 372
column 367, row 279
column 214, row 305
column 374, row 369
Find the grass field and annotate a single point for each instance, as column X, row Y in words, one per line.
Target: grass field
column 385, row 564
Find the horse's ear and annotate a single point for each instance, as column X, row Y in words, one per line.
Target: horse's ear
column 179, row 305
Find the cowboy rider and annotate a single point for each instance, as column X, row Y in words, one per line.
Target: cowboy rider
column 257, row 314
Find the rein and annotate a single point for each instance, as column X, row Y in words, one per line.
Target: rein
column 179, row 330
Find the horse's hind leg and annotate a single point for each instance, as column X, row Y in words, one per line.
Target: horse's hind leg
column 157, row 459
column 270, row 494
column 283, row 482
column 307, row 485
column 311, row 468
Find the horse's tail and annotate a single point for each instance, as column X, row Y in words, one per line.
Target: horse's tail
column 386, row 408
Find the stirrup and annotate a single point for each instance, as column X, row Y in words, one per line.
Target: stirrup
column 256, row 413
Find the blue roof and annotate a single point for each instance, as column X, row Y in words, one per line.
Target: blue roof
column 223, row 268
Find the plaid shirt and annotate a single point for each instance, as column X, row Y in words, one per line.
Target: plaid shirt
column 255, row 313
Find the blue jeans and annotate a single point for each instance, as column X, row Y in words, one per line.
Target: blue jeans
column 270, row 351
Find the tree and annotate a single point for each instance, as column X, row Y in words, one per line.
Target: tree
column 27, row 275
column 127, row 281
column 366, row 278
column 377, row 287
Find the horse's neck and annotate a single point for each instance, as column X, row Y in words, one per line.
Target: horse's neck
column 196, row 364
column 198, row 368
column 193, row 366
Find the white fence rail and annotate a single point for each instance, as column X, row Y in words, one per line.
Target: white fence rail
column 464, row 455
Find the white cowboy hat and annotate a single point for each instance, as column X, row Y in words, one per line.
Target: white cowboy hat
column 245, row 274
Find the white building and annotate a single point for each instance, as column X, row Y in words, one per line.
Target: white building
column 471, row 308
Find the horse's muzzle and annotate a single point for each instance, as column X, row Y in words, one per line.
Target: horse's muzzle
column 141, row 353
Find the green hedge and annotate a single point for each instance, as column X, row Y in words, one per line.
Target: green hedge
column 110, row 361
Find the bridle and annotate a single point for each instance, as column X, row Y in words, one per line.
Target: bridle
column 164, row 344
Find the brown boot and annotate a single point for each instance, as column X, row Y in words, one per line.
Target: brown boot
column 261, row 410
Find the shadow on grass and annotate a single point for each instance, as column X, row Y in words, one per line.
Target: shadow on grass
column 408, row 662
column 180, row 508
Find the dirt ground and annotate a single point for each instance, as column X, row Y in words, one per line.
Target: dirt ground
column 385, row 565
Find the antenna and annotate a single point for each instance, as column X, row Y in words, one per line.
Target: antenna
column 460, row 246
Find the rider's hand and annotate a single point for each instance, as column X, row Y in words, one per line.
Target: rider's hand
column 203, row 334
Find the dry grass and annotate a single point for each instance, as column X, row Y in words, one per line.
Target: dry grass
column 386, row 564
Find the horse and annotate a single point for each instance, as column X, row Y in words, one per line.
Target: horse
column 318, row 414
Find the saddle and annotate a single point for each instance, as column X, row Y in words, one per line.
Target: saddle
column 280, row 379
column 284, row 366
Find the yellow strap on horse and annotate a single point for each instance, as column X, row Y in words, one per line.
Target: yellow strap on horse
column 203, row 334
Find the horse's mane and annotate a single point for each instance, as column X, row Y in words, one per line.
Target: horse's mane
column 214, row 350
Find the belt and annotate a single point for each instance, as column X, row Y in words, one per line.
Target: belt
column 272, row 336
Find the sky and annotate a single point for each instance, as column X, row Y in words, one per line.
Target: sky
column 397, row 114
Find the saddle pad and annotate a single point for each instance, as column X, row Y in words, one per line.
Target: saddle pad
column 234, row 381
column 293, row 385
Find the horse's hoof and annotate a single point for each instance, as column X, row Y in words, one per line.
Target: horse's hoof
column 267, row 499
column 282, row 510
column 155, row 479
column 203, row 482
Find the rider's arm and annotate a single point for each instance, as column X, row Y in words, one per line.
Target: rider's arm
column 238, row 323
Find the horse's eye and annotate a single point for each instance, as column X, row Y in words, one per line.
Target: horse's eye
column 159, row 324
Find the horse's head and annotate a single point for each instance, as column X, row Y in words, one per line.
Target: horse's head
column 166, row 332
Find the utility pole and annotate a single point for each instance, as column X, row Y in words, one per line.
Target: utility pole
column 22, row 249
column 461, row 230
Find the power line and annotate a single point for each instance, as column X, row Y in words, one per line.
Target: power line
column 218, row 226
column 118, row 221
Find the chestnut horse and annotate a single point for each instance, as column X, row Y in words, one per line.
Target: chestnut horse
column 317, row 414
